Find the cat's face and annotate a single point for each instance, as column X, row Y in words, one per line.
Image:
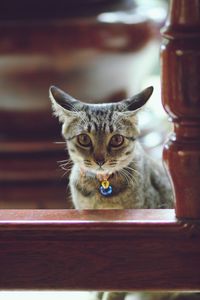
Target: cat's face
column 101, row 143
column 100, row 137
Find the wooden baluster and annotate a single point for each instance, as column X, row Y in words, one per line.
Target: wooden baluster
column 180, row 57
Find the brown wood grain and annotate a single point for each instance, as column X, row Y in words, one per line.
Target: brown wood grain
column 180, row 92
column 101, row 250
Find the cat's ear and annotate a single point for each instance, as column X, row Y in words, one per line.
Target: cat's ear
column 136, row 102
column 64, row 105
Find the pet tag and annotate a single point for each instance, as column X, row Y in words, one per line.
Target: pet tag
column 105, row 188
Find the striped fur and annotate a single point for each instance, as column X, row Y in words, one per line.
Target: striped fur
column 137, row 181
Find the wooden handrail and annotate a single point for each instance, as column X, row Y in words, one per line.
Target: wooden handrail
column 85, row 250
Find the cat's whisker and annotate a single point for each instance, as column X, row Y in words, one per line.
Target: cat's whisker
column 65, row 165
column 125, row 176
column 131, row 177
column 63, row 161
column 68, row 164
column 134, row 170
column 65, row 173
column 59, row 142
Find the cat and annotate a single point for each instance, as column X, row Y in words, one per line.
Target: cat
column 108, row 160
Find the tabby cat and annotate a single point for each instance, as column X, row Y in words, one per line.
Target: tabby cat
column 110, row 168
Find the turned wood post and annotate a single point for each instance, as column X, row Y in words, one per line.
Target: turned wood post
column 180, row 58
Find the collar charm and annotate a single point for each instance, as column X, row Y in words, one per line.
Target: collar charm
column 105, row 188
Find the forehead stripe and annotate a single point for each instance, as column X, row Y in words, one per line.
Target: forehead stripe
column 111, row 128
column 110, row 116
column 89, row 128
column 96, row 126
column 89, row 117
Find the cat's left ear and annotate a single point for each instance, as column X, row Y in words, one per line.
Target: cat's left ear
column 136, row 102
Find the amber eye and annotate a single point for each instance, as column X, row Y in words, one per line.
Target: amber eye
column 84, row 140
column 116, row 140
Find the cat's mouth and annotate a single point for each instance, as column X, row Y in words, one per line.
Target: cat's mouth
column 100, row 170
column 109, row 167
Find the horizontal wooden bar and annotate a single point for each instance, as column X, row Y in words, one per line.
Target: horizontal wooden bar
column 98, row 250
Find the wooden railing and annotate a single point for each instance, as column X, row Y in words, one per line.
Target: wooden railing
column 125, row 249
column 98, row 250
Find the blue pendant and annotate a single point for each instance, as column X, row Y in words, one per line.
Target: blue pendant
column 107, row 191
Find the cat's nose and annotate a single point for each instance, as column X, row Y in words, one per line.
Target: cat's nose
column 100, row 161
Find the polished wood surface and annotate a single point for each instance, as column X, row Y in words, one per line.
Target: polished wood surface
column 181, row 98
column 98, row 250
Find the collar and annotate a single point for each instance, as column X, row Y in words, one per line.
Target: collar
column 105, row 188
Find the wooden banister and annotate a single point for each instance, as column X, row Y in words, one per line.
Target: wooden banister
column 98, row 250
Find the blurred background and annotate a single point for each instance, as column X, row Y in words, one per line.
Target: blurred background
column 96, row 50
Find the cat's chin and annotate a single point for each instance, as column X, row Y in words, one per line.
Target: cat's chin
column 101, row 172
column 98, row 172
column 104, row 173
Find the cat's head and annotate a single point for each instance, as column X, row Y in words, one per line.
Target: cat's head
column 100, row 137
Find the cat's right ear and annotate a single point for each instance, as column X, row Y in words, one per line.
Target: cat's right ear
column 64, row 105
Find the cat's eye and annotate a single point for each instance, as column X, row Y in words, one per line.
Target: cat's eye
column 117, row 140
column 84, row 140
